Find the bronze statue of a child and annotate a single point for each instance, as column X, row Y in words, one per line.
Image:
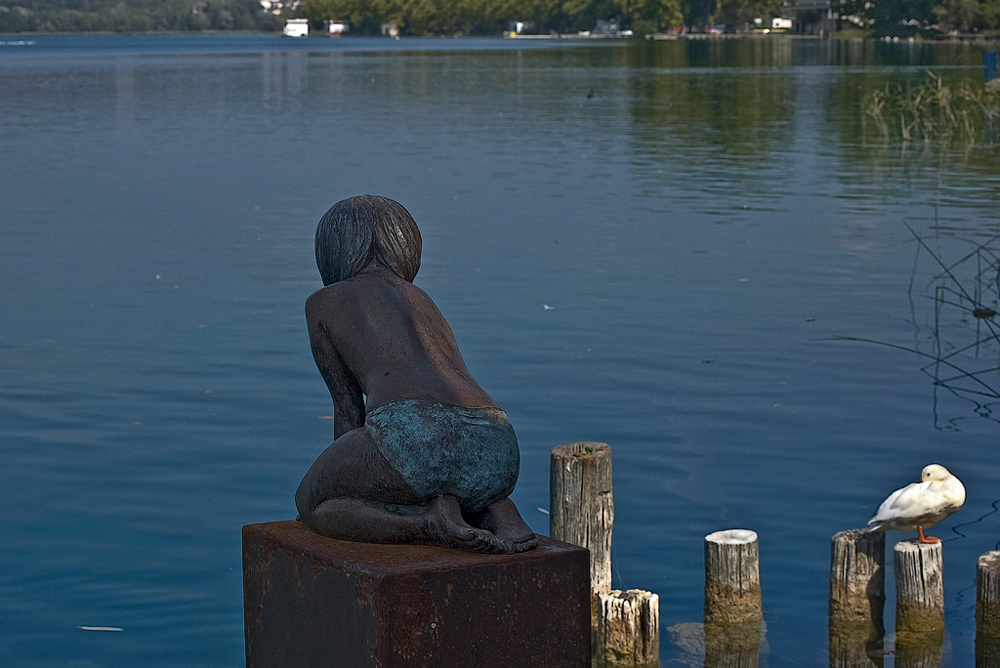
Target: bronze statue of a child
column 421, row 453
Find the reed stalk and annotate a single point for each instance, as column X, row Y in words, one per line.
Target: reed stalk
column 932, row 109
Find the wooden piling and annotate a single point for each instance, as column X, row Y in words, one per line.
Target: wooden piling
column 857, row 579
column 918, row 569
column 988, row 594
column 857, row 597
column 582, row 509
column 628, row 628
column 732, row 577
column 988, row 610
column 625, row 625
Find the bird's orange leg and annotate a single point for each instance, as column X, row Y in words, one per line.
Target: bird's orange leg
column 926, row 539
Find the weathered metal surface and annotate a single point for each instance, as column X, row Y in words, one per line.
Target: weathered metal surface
column 317, row 602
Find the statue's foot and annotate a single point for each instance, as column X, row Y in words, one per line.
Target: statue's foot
column 449, row 528
column 503, row 520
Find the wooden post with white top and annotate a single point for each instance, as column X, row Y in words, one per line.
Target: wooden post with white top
column 733, row 612
column 732, row 577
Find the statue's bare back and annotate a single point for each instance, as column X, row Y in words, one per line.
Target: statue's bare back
column 422, row 454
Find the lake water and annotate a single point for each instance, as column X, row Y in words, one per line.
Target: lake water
column 655, row 245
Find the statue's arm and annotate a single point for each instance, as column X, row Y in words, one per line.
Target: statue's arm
column 348, row 398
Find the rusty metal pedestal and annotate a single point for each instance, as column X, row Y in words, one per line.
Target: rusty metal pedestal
column 316, row 602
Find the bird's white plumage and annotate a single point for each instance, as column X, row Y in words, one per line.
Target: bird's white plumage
column 921, row 504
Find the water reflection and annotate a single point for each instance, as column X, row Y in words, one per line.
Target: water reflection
column 745, row 112
column 855, row 649
column 720, row 135
column 943, row 170
column 987, row 650
column 733, row 645
column 124, row 93
column 919, row 650
column 284, row 77
column 965, row 339
column 719, row 645
column 953, row 316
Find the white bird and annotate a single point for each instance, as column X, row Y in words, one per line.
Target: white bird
column 921, row 504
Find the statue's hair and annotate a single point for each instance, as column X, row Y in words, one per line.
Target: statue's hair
column 358, row 231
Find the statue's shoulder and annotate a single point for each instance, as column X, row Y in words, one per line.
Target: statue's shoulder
column 330, row 299
column 349, row 288
column 349, row 296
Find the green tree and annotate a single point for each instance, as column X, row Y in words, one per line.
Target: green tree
column 16, row 19
column 656, row 13
column 960, row 15
column 736, row 13
column 892, row 17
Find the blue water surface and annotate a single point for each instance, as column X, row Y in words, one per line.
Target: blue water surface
column 656, row 245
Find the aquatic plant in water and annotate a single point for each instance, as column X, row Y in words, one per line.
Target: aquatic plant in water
column 963, row 359
column 931, row 109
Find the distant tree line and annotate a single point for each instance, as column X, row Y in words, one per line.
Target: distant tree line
column 905, row 17
column 415, row 17
column 478, row 17
column 561, row 16
column 877, row 17
column 68, row 16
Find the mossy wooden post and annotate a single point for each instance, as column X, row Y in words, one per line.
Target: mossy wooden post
column 857, row 597
column 918, row 569
column 857, row 579
column 732, row 577
column 732, row 599
column 628, row 628
column 988, row 610
column 626, row 625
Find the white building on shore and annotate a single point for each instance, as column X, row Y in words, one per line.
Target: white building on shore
column 336, row 28
column 296, row 28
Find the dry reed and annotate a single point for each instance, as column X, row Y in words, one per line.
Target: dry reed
column 932, row 109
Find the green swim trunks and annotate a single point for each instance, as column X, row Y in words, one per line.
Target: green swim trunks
column 469, row 453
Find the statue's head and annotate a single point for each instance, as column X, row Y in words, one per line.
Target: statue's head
column 363, row 230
